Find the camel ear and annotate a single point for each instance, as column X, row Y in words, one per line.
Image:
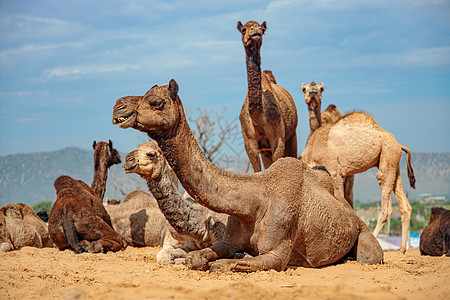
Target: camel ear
column 303, row 87
column 110, row 145
column 239, row 26
column 94, row 144
column 322, row 87
column 173, row 89
column 264, row 26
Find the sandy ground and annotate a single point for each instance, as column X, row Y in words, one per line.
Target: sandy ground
column 32, row 273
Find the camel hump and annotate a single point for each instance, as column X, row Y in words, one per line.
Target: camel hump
column 270, row 76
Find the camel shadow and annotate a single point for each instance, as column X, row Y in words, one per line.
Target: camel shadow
column 137, row 225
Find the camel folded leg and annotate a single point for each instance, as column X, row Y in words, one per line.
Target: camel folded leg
column 368, row 250
column 262, row 262
column 98, row 236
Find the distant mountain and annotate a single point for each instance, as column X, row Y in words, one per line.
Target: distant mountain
column 29, row 178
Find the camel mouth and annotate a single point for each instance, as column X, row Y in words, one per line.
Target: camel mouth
column 256, row 35
column 130, row 169
column 125, row 121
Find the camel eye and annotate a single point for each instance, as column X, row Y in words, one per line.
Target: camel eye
column 151, row 154
column 158, row 104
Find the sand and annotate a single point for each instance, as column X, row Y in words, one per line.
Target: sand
column 32, row 273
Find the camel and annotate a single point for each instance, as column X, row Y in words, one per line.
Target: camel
column 104, row 157
column 313, row 98
column 78, row 219
column 268, row 116
column 435, row 238
column 284, row 215
column 20, row 227
column 355, row 144
column 141, row 223
column 200, row 226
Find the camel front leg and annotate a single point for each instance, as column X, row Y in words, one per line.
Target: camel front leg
column 263, row 262
column 199, row 259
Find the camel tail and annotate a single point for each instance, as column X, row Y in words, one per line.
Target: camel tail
column 70, row 233
column 412, row 178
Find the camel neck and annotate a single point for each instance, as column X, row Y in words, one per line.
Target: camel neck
column 183, row 214
column 253, row 61
column 315, row 120
column 209, row 185
column 100, row 177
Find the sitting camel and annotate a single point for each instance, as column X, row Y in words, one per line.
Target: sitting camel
column 284, row 215
column 78, row 219
column 435, row 238
column 20, row 227
column 313, row 98
column 268, row 116
column 355, row 144
column 141, row 223
column 200, row 226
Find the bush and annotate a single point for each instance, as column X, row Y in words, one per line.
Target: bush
column 43, row 206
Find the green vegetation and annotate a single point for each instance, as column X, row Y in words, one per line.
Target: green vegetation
column 43, row 206
column 420, row 215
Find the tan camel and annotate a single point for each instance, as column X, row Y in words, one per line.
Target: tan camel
column 20, row 227
column 355, row 144
column 284, row 215
column 268, row 116
column 313, row 98
column 200, row 226
column 78, row 219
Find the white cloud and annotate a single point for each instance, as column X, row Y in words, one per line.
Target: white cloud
column 86, row 70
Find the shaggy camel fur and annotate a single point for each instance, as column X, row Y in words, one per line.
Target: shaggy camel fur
column 78, row 219
column 268, row 116
column 141, row 223
column 355, row 144
column 200, row 226
column 435, row 238
column 20, row 227
column 285, row 215
column 313, row 98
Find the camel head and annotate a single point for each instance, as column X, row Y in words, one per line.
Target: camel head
column 330, row 115
column 147, row 161
column 155, row 112
column 313, row 94
column 105, row 151
column 252, row 33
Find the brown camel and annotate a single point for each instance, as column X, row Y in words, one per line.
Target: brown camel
column 20, row 227
column 268, row 116
column 313, row 98
column 355, row 144
column 435, row 238
column 200, row 226
column 104, row 157
column 78, row 219
column 284, row 215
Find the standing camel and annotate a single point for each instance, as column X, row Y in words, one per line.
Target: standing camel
column 313, row 98
column 268, row 116
column 284, row 215
column 355, row 144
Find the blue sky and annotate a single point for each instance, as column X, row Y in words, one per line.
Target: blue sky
column 63, row 64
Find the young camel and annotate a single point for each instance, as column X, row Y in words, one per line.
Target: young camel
column 313, row 98
column 78, row 219
column 200, row 226
column 284, row 215
column 268, row 116
column 355, row 144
